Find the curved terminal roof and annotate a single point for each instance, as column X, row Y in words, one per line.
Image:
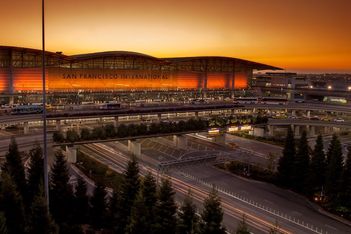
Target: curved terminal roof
column 108, row 54
column 32, row 51
column 60, row 58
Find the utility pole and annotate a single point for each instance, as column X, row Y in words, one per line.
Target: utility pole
column 45, row 151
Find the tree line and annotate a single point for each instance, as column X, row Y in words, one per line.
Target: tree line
column 139, row 205
column 123, row 130
column 323, row 176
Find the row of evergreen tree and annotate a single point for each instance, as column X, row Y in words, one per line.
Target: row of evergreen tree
column 138, row 206
column 316, row 172
column 124, row 130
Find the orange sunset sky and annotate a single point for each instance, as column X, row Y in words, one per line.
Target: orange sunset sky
column 298, row 35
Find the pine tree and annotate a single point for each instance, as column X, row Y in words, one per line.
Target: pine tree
column 12, row 205
column 212, row 215
column 129, row 191
column 114, row 212
column 345, row 199
column 143, row 211
column 317, row 167
column 3, row 228
column 243, row 227
column 166, row 210
column 301, row 165
column 98, row 206
column 61, row 195
column 187, row 219
column 137, row 222
column 41, row 221
column 35, row 171
column 81, row 201
column 334, row 170
column 286, row 162
column 14, row 167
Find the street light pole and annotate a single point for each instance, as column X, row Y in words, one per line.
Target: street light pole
column 46, row 176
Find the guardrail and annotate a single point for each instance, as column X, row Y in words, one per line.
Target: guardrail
column 186, row 160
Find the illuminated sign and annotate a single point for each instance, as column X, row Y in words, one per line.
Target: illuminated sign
column 144, row 76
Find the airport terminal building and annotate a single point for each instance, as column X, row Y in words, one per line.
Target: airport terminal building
column 119, row 71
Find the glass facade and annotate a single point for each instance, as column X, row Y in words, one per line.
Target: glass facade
column 20, row 72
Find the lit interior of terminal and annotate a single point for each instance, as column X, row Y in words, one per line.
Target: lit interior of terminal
column 20, row 72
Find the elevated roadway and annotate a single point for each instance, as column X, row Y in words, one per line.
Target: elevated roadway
column 306, row 122
column 163, row 112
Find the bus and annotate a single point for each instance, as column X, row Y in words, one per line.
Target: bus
column 274, row 100
column 110, row 106
column 27, row 109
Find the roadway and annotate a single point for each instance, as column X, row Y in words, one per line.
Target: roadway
column 306, row 122
column 162, row 110
column 288, row 205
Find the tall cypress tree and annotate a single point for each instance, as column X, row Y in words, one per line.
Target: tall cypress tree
column 301, row 165
column 334, row 170
column 137, row 222
column 143, row 211
column 98, row 206
column 35, row 171
column 317, row 167
column 286, row 162
column 212, row 215
column 129, row 190
column 81, row 202
column 345, row 198
column 187, row 219
column 14, row 167
column 3, row 227
column 12, row 205
column 61, row 195
column 114, row 212
column 40, row 219
column 165, row 217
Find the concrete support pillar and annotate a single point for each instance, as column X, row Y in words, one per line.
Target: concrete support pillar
column 115, row 122
column 296, row 131
column 71, row 152
column 270, row 130
column 58, row 125
column 254, row 110
column 25, row 127
column 11, row 100
column 159, row 117
column 328, row 130
column 196, row 114
column 308, row 114
column 134, row 148
column 293, row 112
column 311, row 131
column 180, row 141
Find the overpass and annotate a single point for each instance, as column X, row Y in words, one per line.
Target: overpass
column 325, row 127
column 158, row 113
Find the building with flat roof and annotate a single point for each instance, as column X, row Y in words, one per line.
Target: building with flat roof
column 20, row 72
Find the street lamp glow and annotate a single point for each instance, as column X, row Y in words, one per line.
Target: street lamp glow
column 329, row 87
column 349, row 88
column 311, row 86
